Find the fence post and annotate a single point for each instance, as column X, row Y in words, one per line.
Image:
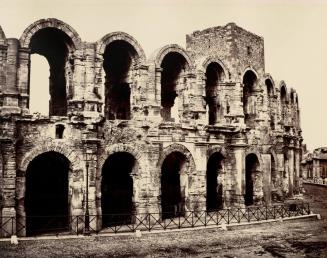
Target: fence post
column 228, row 216
column 149, row 221
column 192, row 219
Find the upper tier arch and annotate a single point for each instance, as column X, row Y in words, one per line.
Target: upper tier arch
column 119, row 35
column 28, row 33
column 160, row 54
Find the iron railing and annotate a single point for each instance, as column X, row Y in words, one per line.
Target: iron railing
column 124, row 223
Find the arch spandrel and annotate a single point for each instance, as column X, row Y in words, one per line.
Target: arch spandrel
column 119, row 35
column 28, row 33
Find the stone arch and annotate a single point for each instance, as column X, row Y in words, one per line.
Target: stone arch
column 121, row 147
column 247, row 69
column 215, row 177
column 219, row 149
column 282, row 84
column 63, row 149
column 28, row 33
column 173, row 48
column 204, row 62
column 254, row 150
column 75, row 171
column 3, row 39
column 176, row 147
column 119, row 35
column 135, row 176
column 175, row 165
column 253, row 190
column 173, row 68
column 250, row 90
column 269, row 78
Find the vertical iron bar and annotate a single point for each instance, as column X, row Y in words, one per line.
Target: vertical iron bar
column 87, row 215
column 228, row 216
column 192, row 219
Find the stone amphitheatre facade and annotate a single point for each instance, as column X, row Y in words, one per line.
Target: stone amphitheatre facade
column 196, row 128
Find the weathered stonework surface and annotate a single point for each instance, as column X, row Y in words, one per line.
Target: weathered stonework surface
column 185, row 104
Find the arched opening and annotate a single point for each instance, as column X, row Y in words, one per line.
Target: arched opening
column 117, row 189
column 214, row 182
column 249, row 98
column 214, row 75
column 46, row 196
column 251, row 173
column 172, row 201
column 118, row 61
column 173, row 66
column 270, row 95
column 39, row 77
column 54, row 45
column 283, row 101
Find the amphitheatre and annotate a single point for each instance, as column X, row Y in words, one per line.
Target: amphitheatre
column 200, row 128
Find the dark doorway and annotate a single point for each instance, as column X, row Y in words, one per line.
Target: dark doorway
column 117, row 189
column 46, row 197
column 172, row 65
column 251, row 168
column 214, row 187
column 118, row 58
column 172, row 202
column 214, row 75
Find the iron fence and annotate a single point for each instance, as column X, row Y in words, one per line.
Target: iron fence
column 124, row 223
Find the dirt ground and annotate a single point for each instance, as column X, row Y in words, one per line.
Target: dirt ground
column 278, row 239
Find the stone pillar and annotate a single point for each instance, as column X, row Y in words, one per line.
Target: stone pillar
column 238, row 176
column 198, row 104
column 92, row 97
column 23, row 74
column 9, row 188
column 10, row 92
column 281, row 171
column 237, row 104
column 297, row 169
column 266, row 170
column 3, row 58
column 154, row 204
column 90, row 158
column 75, row 105
column 290, row 171
column 197, row 187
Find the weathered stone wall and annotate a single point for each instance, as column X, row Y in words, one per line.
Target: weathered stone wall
column 146, row 136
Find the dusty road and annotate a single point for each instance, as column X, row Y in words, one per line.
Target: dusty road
column 280, row 239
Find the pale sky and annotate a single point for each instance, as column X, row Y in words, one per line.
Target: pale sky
column 295, row 35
